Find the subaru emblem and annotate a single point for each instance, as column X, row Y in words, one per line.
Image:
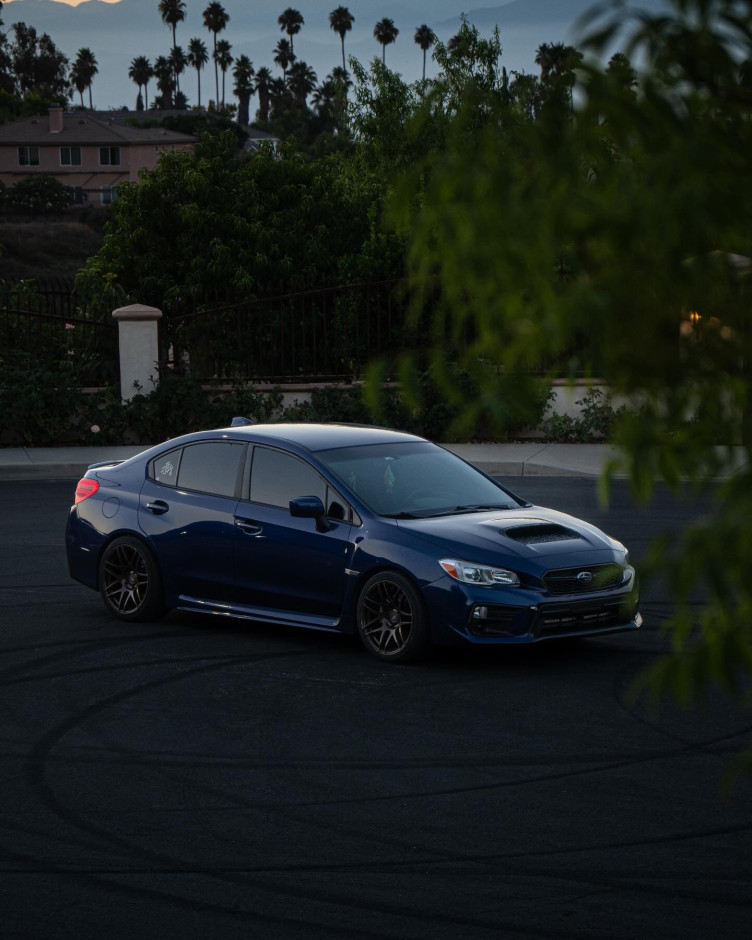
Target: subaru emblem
column 585, row 577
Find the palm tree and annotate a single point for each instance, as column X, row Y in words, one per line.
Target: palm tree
column 165, row 76
column 561, row 58
column 324, row 102
column 197, row 59
column 301, row 81
column 341, row 21
column 621, row 71
column 215, row 20
column 290, row 22
column 178, row 61
column 330, row 98
column 284, row 56
column 243, row 73
column 544, row 57
column 78, row 81
column 341, row 77
column 280, row 96
column 425, row 37
column 140, row 72
column 86, row 68
column 223, row 58
column 172, row 13
column 385, row 32
column 558, row 64
column 263, row 87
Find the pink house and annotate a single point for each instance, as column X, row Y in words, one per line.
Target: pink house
column 88, row 154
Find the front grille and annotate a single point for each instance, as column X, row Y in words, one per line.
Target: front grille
column 582, row 617
column 584, row 579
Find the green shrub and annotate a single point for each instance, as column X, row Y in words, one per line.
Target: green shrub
column 177, row 405
column 330, row 404
column 40, row 405
column 447, row 403
column 44, row 406
column 246, row 402
column 39, row 194
column 594, row 423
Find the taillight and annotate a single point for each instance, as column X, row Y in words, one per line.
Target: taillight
column 86, row 488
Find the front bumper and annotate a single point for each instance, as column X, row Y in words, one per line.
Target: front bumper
column 466, row 614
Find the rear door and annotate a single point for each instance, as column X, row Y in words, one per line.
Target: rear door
column 187, row 509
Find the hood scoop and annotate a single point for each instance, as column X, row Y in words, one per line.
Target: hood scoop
column 540, row 532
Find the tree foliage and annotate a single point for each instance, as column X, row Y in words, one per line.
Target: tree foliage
column 32, row 64
column 39, row 194
column 614, row 241
column 222, row 228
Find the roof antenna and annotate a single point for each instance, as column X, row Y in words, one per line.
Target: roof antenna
column 240, row 422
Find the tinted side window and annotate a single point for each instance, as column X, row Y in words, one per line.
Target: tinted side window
column 164, row 469
column 276, row 478
column 211, row 467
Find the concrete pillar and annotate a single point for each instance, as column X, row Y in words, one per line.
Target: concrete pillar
column 139, row 349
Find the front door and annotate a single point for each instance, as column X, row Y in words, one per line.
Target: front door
column 284, row 563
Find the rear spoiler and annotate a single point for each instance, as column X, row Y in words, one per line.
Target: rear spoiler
column 105, row 463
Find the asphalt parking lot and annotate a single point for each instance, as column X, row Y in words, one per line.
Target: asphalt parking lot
column 224, row 779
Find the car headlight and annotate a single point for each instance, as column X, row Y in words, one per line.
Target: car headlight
column 470, row 573
column 615, row 543
column 628, row 569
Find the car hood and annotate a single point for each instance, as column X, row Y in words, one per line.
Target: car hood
column 543, row 537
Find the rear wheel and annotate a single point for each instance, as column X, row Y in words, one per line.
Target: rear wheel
column 391, row 618
column 129, row 581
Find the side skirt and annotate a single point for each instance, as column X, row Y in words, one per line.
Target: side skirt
column 283, row 617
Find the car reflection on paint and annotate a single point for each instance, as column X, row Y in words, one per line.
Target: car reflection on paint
column 342, row 528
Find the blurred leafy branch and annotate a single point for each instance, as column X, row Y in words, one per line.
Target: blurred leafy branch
column 612, row 240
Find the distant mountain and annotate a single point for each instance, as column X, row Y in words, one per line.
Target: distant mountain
column 541, row 14
column 117, row 32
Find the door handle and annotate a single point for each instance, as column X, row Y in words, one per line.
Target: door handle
column 158, row 507
column 250, row 528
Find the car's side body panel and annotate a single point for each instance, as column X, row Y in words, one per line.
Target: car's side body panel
column 231, row 555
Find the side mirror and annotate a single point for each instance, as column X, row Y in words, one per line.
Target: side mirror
column 311, row 507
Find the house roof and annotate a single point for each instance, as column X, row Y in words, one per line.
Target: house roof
column 83, row 129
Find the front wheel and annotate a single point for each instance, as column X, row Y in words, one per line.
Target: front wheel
column 129, row 581
column 391, row 618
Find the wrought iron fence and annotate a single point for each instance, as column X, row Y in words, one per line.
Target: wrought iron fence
column 328, row 334
column 40, row 322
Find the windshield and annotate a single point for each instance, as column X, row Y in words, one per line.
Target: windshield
column 415, row 479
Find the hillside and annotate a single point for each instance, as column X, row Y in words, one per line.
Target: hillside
column 49, row 247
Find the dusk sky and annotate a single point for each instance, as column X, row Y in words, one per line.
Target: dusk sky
column 254, row 31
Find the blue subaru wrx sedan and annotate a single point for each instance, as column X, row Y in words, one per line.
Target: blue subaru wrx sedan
column 341, row 528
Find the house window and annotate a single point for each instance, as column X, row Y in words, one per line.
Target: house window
column 108, row 195
column 109, row 156
column 78, row 195
column 28, row 156
column 70, row 156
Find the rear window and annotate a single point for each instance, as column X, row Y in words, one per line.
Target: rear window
column 207, row 467
column 164, row 469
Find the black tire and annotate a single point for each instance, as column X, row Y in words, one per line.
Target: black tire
column 391, row 618
column 130, row 582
